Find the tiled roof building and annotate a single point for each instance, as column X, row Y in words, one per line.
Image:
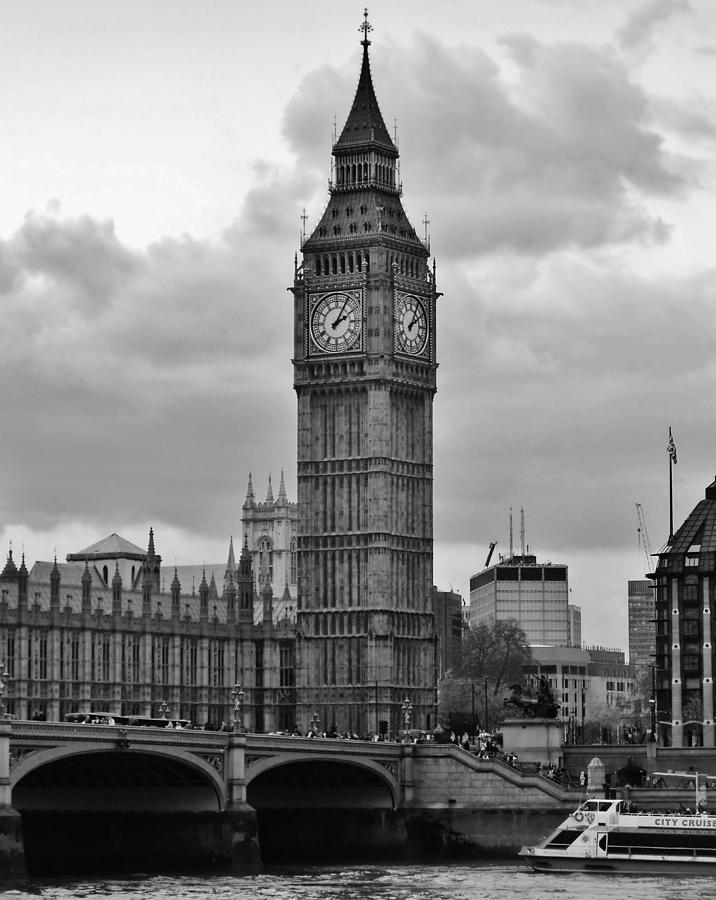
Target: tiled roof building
column 685, row 581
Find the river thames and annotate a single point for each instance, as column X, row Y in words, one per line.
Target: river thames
column 453, row 882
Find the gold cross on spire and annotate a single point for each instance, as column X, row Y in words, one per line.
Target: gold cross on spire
column 365, row 28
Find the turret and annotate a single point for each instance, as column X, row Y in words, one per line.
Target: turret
column 22, row 578
column 116, row 591
column 245, row 586
column 9, row 573
column 176, row 595
column 203, row 598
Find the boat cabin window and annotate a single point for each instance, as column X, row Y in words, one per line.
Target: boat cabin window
column 596, row 805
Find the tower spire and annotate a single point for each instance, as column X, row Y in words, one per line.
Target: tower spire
column 250, row 499
column 365, row 123
column 282, row 490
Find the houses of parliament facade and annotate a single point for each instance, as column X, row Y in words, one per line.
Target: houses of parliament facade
column 354, row 635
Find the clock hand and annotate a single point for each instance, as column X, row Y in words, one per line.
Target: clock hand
column 341, row 316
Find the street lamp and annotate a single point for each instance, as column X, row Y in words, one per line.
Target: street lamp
column 163, row 709
column 652, row 709
column 315, row 724
column 237, row 697
column 4, row 675
column 407, row 713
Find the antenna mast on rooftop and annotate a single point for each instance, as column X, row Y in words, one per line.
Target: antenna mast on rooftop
column 512, row 550
column 522, row 530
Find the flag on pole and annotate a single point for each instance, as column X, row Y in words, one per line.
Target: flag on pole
column 671, row 448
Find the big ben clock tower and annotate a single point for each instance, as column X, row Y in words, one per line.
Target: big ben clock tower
column 364, row 375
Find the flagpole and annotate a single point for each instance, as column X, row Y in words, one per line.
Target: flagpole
column 671, row 498
column 671, row 452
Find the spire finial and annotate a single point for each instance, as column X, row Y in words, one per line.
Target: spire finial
column 365, row 28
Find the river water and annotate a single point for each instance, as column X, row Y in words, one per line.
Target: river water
column 507, row 881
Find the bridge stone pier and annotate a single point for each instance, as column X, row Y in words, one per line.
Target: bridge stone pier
column 74, row 797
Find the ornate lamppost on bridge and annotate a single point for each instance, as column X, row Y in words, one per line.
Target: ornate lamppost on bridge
column 407, row 708
column 4, row 676
column 164, row 709
column 315, row 724
column 237, row 697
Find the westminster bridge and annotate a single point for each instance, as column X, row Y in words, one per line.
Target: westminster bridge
column 80, row 795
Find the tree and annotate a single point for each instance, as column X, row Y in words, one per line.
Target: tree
column 497, row 651
column 492, row 657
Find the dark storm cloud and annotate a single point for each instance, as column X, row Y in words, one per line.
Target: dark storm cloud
column 138, row 382
column 577, row 375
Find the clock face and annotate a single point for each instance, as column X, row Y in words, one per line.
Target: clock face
column 411, row 325
column 337, row 321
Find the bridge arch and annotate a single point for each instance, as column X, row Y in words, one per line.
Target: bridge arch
column 93, row 776
column 320, row 780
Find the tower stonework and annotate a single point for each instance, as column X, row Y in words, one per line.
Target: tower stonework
column 365, row 377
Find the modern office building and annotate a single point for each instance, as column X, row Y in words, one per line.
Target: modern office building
column 641, row 602
column 450, row 623
column 574, row 625
column 365, row 367
column 534, row 594
column 586, row 681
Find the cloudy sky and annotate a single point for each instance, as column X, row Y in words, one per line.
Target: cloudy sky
column 154, row 162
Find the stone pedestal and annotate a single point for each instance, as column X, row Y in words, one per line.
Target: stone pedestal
column 241, row 838
column 533, row 740
column 13, row 871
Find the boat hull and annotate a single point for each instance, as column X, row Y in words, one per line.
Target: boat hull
column 618, row 865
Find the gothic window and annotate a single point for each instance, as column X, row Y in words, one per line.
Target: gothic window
column 366, row 226
column 336, row 229
column 322, row 231
column 353, row 228
column 334, row 212
column 318, row 265
column 349, row 211
column 105, row 574
column 42, row 656
column 75, row 656
column 293, row 562
column 265, row 557
column 9, row 654
column 287, row 664
column 363, row 209
column 133, row 574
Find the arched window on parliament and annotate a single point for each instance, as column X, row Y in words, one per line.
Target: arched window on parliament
column 294, row 562
column 265, row 557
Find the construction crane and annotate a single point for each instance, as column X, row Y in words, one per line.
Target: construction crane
column 493, row 544
column 643, row 538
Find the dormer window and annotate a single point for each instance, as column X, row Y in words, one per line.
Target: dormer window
column 363, row 209
column 334, row 212
column 336, row 229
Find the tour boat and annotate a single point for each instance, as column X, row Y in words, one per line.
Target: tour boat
column 612, row 836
